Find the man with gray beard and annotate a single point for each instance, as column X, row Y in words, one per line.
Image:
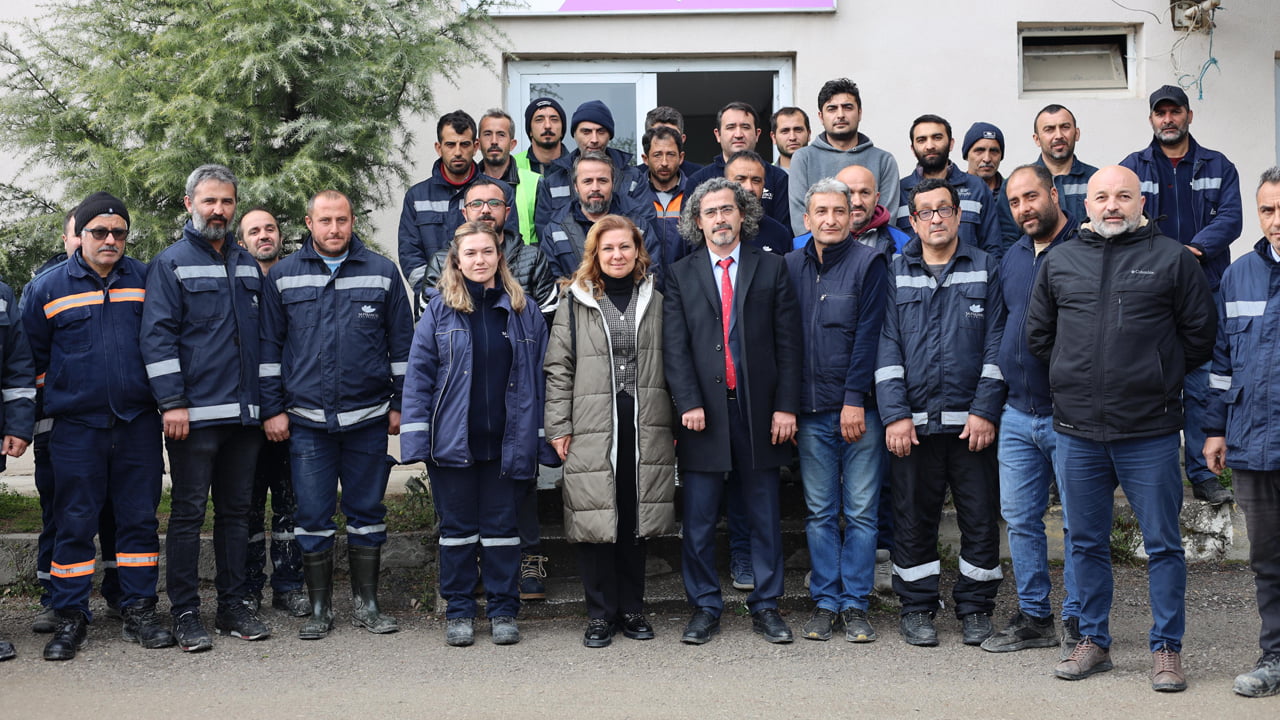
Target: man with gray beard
column 594, row 180
column 199, row 341
column 1120, row 314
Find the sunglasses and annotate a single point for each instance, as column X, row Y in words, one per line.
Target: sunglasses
column 101, row 233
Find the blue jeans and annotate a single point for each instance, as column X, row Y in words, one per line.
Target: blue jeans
column 320, row 458
column 1026, row 451
column 1147, row 469
column 841, row 477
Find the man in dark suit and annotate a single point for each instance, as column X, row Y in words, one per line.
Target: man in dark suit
column 737, row 407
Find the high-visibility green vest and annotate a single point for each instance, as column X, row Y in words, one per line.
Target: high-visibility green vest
column 526, row 195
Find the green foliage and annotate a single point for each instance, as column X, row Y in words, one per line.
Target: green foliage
column 294, row 96
column 18, row 513
column 1126, row 538
column 414, row 510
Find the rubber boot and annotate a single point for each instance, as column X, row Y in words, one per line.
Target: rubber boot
column 365, row 563
column 317, row 570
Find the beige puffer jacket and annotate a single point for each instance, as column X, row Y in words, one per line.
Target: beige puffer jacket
column 580, row 402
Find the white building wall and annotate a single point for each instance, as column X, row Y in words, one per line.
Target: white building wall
column 937, row 56
column 914, row 57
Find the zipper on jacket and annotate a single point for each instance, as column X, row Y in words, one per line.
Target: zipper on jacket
column 435, row 417
column 1100, row 334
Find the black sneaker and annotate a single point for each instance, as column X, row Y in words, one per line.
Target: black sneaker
column 142, row 626
column 1212, row 492
column 977, row 628
column 190, row 632
column 237, row 620
column 1022, row 632
column 533, row 577
column 917, row 629
column 822, row 624
column 1070, row 637
column 857, row 628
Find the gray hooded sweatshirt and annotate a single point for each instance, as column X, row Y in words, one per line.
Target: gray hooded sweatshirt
column 820, row 160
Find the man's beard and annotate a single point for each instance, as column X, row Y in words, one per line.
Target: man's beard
column 595, row 206
column 206, row 231
column 1108, row 232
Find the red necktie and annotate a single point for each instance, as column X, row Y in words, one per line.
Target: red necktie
column 726, row 308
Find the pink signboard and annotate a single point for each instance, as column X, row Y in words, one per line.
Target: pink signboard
column 613, row 7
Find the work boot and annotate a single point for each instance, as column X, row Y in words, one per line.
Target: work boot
column 460, row 631
column 142, row 626
column 504, row 630
column 317, row 570
column 976, row 628
column 73, row 628
column 1263, row 680
column 365, row 562
column 45, row 622
column 917, row 628
column 6, row 651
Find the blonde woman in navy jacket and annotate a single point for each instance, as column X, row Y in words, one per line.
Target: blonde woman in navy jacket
column 477, row 425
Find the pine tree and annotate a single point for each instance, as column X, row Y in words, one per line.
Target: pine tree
column 295, row 96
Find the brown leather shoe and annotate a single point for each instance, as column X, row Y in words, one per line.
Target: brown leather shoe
column 1087, row 659
column 1166, row 671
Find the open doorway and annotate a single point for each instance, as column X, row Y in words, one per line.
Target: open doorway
column 697, row 88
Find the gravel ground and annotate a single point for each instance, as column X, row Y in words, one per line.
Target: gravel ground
column 550, row 675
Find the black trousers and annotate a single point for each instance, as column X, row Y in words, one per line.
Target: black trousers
column 1259, row 495
column 920, row 482
column 613, row 573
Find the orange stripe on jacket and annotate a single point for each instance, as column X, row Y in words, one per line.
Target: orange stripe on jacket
column 72, row 301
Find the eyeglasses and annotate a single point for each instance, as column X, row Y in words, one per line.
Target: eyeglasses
column 101, row 233
column 711, row 213
column 944, row 212
column 493, row 203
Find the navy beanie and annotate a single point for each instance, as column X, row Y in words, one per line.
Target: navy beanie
column 537, row 105
column 593, row 111
column 99, row 203
column 981, row 131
